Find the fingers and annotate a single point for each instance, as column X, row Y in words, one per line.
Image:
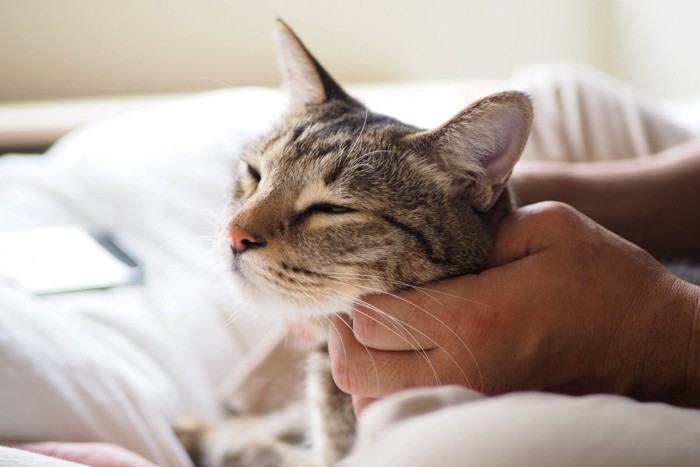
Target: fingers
column 367, row 372
column 396, row 322
column 417, row 319
column 531, row 229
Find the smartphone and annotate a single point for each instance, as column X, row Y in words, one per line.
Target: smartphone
column 66, row 259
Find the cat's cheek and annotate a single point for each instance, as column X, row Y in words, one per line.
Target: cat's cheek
column 252, row 300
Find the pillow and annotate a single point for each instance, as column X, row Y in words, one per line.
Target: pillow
column 119, row 365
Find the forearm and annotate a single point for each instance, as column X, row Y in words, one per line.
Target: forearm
column 654, row 202
column 669, row 370
column 691, row 355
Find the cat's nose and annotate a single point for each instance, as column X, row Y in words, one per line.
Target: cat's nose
column 242, row 240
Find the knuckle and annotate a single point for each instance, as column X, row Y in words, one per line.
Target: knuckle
column 342, row 375
column 556, row 208
column 364, row 327
column 555, row 214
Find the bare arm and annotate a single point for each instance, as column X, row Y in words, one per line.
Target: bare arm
column 653, row 202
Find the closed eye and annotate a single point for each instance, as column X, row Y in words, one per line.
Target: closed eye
column 328, row 208
column 253, row 172
column 321, row 208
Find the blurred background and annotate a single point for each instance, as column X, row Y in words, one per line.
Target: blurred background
column 65, row 63
column 79, row 48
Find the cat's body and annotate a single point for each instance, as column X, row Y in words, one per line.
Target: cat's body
column 338, row 202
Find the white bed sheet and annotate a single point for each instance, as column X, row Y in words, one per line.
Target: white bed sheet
column 119, row 365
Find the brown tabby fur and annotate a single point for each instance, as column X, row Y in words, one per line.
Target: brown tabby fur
column 343, row 202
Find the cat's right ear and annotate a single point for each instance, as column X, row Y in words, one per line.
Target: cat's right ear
column 306, row 81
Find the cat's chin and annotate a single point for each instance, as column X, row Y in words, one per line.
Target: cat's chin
column 257, row 302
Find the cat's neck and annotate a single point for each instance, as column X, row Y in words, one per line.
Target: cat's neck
column 504, row 205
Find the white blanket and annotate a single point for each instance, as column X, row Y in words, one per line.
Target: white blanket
column 120, row 365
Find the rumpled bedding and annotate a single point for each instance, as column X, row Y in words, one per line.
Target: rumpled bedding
column 121, row 365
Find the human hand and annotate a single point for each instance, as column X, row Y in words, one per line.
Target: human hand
column 93, row 454
column 565, row 306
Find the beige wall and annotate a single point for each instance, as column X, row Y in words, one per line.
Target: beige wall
column 65, row 48
column 658, row 45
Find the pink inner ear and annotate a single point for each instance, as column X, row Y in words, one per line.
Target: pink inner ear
column 510, row 128
column 298, row 69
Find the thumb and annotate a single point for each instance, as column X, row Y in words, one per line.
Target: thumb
column 526, row 231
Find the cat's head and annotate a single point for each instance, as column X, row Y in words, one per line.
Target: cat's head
column 338, row 202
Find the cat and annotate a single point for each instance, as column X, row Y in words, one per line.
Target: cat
column 337, row 202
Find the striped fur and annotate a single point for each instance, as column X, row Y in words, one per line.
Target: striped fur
column 343, row 202
column 407, row 222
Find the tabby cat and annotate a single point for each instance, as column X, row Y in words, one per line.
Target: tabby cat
column 337, row 202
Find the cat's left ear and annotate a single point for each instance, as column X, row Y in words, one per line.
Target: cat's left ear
column 306, row 81
column 480, row 145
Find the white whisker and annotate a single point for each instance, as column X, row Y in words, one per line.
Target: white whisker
column 364, row 123
column 406, row 285
column 406, row 332
column 442, row 323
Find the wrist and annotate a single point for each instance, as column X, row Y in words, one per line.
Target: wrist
column 674, row 376
column 690, row 393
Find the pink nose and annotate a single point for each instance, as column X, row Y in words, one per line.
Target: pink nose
column 241, row 240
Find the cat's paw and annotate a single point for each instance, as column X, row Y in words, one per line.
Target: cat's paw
column 273, row 440
column 258, row 452
column 191, row 431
